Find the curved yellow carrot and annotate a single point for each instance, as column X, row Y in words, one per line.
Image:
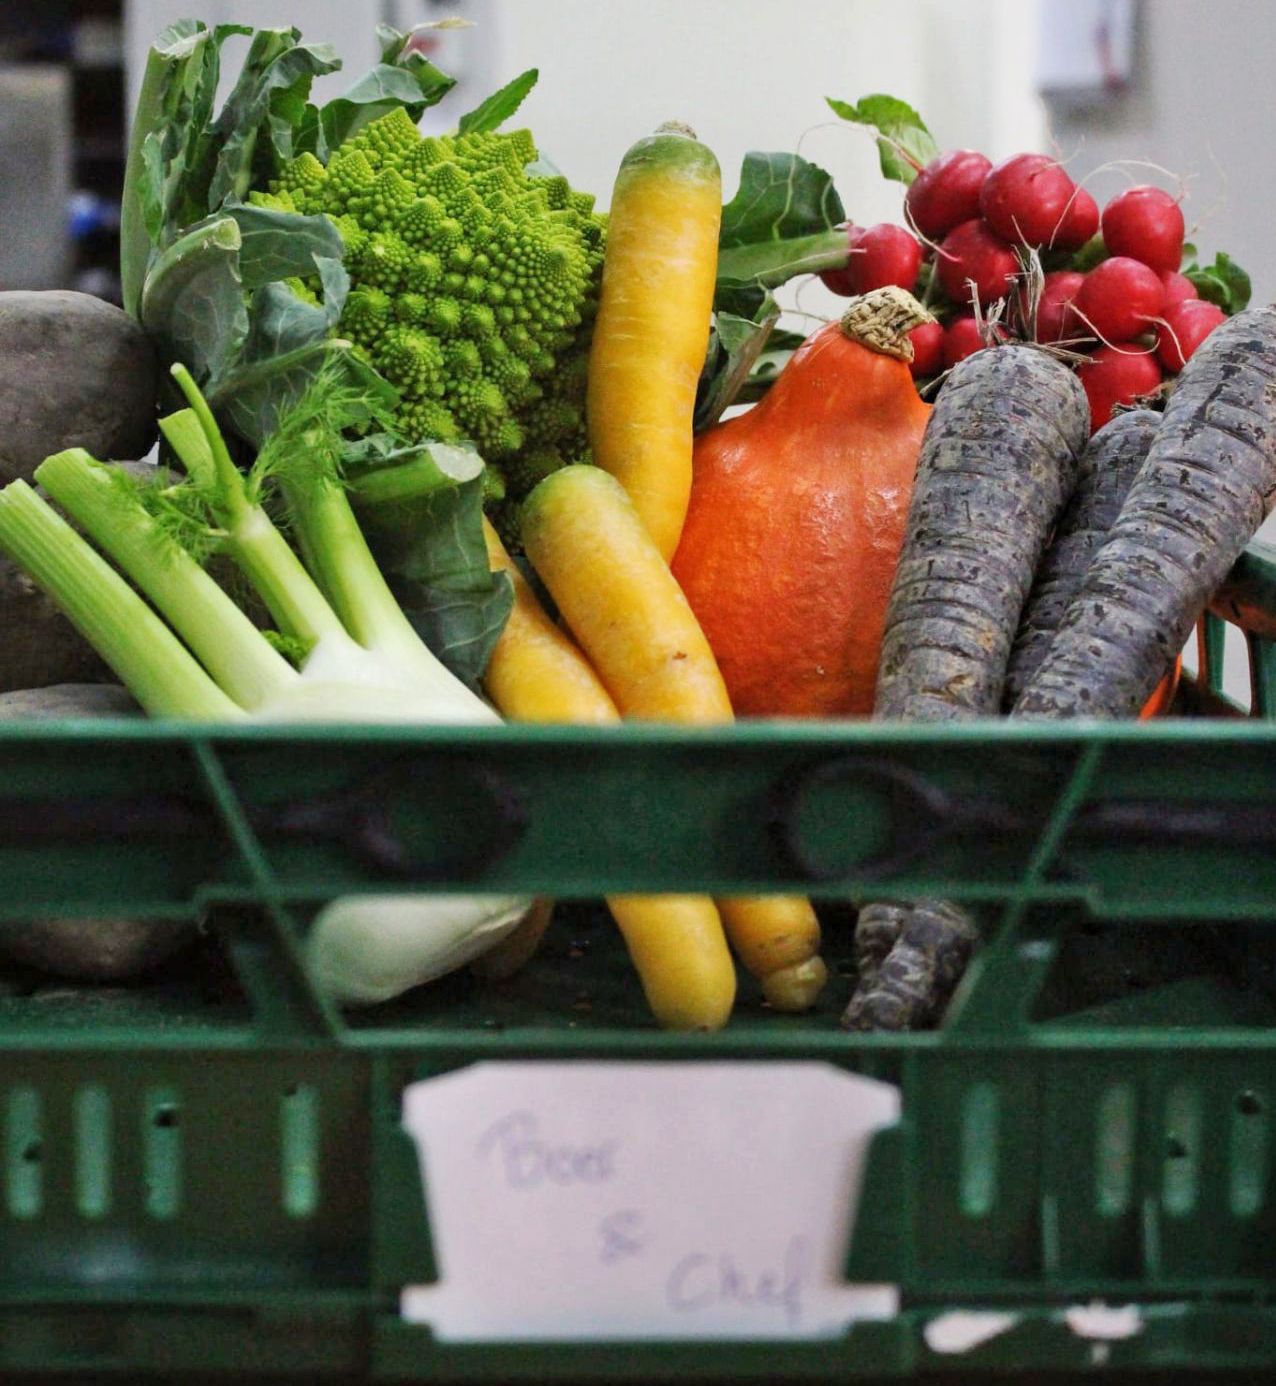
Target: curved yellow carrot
column 536, row 673
column 653, row 323
column 589, row 546
column 778, row 940
column 676, row 942
column 585, row 540
column 679, row 951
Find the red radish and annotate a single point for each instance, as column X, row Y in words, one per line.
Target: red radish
column 880, row 255
column 963, row 337
column 839, row 281
column 1117, row 375
column 1186, row 325
column 1145, row 223
column 1119, row 299
column 971, row 252
column 1055, row 318
column 928, row 350
column 946, row 192
column 1178, row 288
column 1026, row 198
column 1080, row 222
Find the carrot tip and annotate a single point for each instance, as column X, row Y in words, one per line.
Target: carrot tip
column 797, row 987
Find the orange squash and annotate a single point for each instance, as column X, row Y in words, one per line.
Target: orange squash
column 797, row 514
column 1161, row 701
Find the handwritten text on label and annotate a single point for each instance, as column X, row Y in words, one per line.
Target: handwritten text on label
column 525, row 1161
column 596, row 1200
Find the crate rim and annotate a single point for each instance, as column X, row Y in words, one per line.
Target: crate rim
column 761, row 731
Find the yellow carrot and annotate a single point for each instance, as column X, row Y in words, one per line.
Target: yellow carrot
column 536, row 673
column 778, row 940
column 653, row 323
column 588, row 544
column 585, row 540
column 676, row 942
column 680, row 953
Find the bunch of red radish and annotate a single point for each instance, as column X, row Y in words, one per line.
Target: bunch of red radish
column 1130, row 317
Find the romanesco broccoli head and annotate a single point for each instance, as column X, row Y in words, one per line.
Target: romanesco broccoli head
column 474, row 285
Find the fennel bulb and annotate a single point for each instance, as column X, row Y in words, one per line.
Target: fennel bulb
column 192, row 653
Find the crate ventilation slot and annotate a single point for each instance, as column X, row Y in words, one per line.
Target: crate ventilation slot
column 24, row 1153
column 299, row 1132
column 979, row 1129
column 1248, row 1153
column 91, row 1122
column 162, row 1153
column 1114, row 1150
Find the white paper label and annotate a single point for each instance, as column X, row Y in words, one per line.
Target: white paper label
column 594, row 1200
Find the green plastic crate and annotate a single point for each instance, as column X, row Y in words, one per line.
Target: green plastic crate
column 208, row 1173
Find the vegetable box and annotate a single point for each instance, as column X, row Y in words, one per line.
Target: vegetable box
column 208, row 1170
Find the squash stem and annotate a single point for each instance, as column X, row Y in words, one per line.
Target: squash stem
column 882, row 319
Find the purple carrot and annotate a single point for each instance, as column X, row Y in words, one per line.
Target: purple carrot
column 998, row 462
column 1108, row 467
column 1207, row 484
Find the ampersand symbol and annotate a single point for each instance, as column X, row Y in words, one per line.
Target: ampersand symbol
column 622, row 1235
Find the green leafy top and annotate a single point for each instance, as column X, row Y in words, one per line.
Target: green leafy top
column 905, row 146
column 497, row 109
column 184, row 163
column 780, row 197
column 781, row 222
column 785, row 220
column 249, row 297
column 311, row 432
column 1224, row 282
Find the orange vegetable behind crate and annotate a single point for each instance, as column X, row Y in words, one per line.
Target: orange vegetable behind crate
column 1161, row 701
column 797, row 513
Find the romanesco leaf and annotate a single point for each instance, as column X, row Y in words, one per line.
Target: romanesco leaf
column 498, row 107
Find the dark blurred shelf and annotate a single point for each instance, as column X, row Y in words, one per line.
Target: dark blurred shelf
column 100, row 146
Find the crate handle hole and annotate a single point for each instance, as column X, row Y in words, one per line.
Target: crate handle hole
column 166, row 1117
column 1175, row 1149
column 33, row 1153
column 1249, row 1104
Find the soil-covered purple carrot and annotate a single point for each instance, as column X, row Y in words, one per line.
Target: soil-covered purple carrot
column 998, row 462
column 877, row 926
column 917, row 975
column 1108, row 468
column 1208, row 482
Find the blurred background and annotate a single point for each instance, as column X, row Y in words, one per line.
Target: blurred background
column 1181, row 85
column 1169, row 91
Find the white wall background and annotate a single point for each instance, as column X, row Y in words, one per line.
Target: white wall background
column 753, row 74
column 746, row 74
column 744, row 71
column 1200, row 106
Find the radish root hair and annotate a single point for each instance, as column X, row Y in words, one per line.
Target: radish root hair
column 1212, row 211
column 924, row 239
column 1125, row 165
column 1122, row 347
